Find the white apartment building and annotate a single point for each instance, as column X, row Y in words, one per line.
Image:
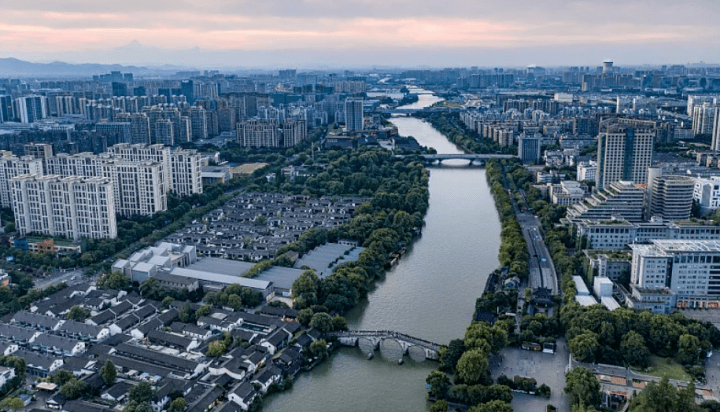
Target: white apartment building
column 137, row 186
column 354, row 115
column 12, row 166
column 73, row 207
column 690, row 268
column 294, row 131
column 141, row 153
column 586, row 171
column 186, row 172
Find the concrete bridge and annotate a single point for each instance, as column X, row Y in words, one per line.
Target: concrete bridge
column 431, row 158
column 392, row 345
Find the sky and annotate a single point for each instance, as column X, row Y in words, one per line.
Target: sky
column 292, row 33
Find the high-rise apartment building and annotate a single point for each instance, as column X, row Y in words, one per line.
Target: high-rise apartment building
column 40, row 151
column 703, row 118
column 715, row 145
column 7, row 113
column 188, row 91
column 164, row 132
column 30, row 109
column 12, row 166
column 294, row 131
column 198, row 123
column 625, row 150
column 73, row 207
column 672, row 197
column 258, row 133
column 142, row 153
column 139, row 128
column 529, row 149
column 354, row 116
column 186, row 172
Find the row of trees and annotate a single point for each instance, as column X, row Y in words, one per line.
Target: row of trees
column 513, row 248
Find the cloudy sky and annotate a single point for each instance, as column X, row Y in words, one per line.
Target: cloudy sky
column 361, row 32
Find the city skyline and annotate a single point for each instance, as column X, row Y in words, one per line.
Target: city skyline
column 359, row 33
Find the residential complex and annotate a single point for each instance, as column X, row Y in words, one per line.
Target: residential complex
column 71, row 207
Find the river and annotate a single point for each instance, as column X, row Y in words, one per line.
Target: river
column 429, row 294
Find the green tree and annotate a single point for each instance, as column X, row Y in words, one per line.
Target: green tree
column 492, row 406
column 584, row 347
column 450, row 355
column 167, row 301
column 339, row 323
column 61, row 376
column 318, row 349
column 322, row 322
column 13, row 403
column 582, row 387
column 78, row 313
column 305, row 289
column 73, row 389
column 473, row 367
column 305, row 316
column 142, row 392
column 203, row 310
column 439, row 384
column 688, row 349
column 633, row 349
column 114, row 280
column 478, row 334
column 108, row 372
column 177, row 405
column 215, row 349
column 664, row 397
column 440, row 406
column 186, row 314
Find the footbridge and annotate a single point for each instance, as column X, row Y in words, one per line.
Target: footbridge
column 392, row 345
column 431, row 158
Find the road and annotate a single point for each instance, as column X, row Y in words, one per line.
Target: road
column 542, row 270
column 70, row 277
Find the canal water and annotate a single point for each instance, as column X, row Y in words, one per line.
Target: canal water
column 429, row 294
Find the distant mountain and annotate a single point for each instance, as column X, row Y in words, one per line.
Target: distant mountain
column 11, row 67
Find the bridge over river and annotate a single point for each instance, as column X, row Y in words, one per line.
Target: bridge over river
column 392, row 345
column 431, row 158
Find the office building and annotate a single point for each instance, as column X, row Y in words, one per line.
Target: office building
column 568, row 192
column 354, row 116
column 12, row 166
column 625, row 149
column 187, row 89
column 619, row 200
column 672, row 197
column 618, row 234
column 30, row 109
column 72, row 207
column 707, row 193
column 529, row 149
column 258, row 133
column 689, row 268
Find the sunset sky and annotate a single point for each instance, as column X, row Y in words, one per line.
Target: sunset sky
column 458, row 31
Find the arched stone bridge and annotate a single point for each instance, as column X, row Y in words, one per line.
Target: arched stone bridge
column 431, row 158
column 392, row 345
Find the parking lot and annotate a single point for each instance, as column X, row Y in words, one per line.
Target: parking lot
column 544, row 367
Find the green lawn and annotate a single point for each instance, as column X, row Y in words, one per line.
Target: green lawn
column 664, row 367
